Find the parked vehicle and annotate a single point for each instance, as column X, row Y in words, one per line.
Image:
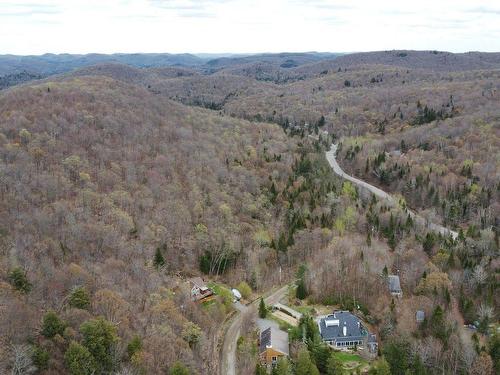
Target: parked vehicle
column 236, row 294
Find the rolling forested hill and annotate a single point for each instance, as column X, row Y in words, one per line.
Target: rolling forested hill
column 96, row 177
column 118, row 182
column 441, row 123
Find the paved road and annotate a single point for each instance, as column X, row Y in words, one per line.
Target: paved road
column 331, row 157
column 228, row 353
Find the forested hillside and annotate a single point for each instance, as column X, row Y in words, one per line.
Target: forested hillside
column 437, row 126
column 119, row 182
column 97, row 178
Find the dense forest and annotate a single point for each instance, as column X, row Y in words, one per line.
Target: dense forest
column 118, row 183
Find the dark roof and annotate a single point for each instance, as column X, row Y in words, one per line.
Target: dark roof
column 265, row 339
column 331, row 327
column 274, row 338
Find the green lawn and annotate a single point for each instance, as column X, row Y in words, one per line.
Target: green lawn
column 207, row 304
column 345, row 356
column 303, row 309
column 350, row 361
column 222, row 291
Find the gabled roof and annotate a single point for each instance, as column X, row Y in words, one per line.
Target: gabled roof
column 394, row 284
column 274, row 338
column 197, row 281
column 331, row 327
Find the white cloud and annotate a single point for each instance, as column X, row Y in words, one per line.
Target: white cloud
column 79, row 26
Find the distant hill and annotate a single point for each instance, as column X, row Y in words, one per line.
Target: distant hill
column 273, row 67
column 284, row 60
column 17, row 78
column 49, row 64
column 431, row 60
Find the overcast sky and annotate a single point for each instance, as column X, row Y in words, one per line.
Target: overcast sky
column 247, row 26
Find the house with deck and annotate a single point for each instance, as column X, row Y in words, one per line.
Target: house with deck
column 199, row 290
column 273, row 344
column 343, row 330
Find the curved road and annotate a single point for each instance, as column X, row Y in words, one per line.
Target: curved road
column 332, row 160
column 228, row 352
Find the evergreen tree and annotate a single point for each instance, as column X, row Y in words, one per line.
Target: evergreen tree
column 40, row 358
column 179, row 369
column 79, row 361
column 320, row 353
column 438, row 324
column 397, row 354
column 429, row 242
column 19, row 280
column 304, row 364
column 158, row 260
column 52, row 325
column 380, row 367
column 283, row 367
column 494, row 350
column 321, row 121
column 273, row 192
column 205, row 262
column 392, row 241
column 134, row 346
column 79, row 298
column 301, row 292
column 262, row 309
column 385, row 272
column 99, row 337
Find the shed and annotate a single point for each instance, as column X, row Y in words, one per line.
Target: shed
column 420, row 316
column 395, row 285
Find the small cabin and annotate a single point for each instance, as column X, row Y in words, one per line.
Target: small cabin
column 199, row 290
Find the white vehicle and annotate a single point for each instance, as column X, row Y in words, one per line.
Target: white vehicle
column 236, row 294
